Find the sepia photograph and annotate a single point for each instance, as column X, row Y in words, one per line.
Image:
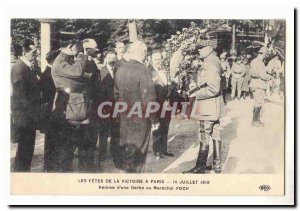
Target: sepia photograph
column 124, row 105
column 147, row 96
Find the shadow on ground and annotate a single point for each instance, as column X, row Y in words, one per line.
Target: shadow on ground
column 228, row 134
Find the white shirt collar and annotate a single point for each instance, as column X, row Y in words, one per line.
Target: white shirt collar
column 49, row 66
column 110, row 70
column 119, row 57
column 162, row 76
column 25, row 60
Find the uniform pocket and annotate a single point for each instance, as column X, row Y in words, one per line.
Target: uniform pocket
column 76, row 108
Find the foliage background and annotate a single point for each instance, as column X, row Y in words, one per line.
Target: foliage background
column 154, row 32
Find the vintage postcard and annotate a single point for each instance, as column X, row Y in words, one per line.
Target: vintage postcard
column 140, row 106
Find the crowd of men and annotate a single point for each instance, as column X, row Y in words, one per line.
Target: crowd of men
column 64, row 101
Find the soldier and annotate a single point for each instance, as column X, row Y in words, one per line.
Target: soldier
column 209, row 107
column 246, row 79
column 258, row 84
column 274, row 67
column 224, row 75
column 160, row 136
column 238, row 72
column 25, row 104
column 70, row 110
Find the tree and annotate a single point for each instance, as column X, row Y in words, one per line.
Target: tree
column 23, row 29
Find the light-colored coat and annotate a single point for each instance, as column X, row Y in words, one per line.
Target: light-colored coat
column 238, row 71
column 209, row 103
column 70, row 76
column 259, row 75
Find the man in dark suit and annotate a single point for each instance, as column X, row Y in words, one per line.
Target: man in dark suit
column 108, row 126
column 133, row 84
column 25, row 106
column 48, row 91
column 120, row 51
column 161, row 85
column 87, row 144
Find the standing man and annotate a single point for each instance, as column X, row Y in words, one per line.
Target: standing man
column 87, row 139
column 48, row 91
column 238, row 72
column 120, row 51
column 133, row 84
column 120, row 48
column 108, row 126
column 274, row 67
column 25, row 104
column 246, row 79
column 71, row 106
column 258, row 84
column 207, row 110
column 160, row 136
column 225, row 74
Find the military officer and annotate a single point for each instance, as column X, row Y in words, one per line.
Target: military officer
column 246, row 78
column 238, row 72
column 258, row 84
column 274, row 67
column 207, row 110
column 224, row 75
column 70, row 109
column 25, row 104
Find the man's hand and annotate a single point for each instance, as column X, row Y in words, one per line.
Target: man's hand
column 192, row 85
column 155, row 126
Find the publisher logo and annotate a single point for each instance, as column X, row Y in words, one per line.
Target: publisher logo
column 265, row 187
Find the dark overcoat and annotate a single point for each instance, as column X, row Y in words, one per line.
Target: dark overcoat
column 133, row 83
column 106, row 90
column 26, row 99
column 118, row 64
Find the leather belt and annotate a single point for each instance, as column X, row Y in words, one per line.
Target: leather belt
column 68, row 90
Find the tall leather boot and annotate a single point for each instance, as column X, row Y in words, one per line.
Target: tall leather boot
column 201, row 160
column 217, row 156
column 259, row 123
column 254, row 116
